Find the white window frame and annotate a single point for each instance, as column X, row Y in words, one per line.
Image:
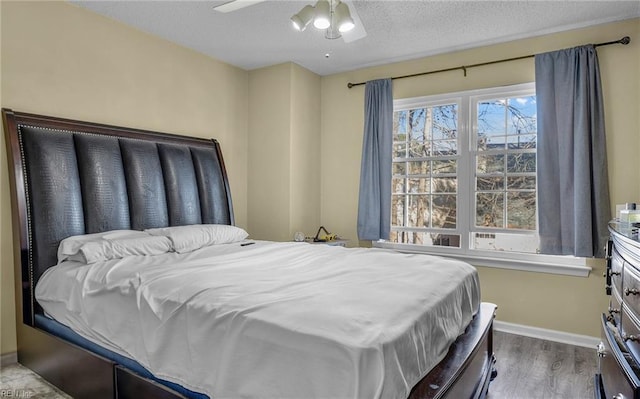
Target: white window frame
column 566, row 265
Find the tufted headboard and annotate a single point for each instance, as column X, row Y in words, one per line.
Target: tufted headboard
column 70, row 177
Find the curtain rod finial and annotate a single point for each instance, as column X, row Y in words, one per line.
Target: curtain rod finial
column 625, row 40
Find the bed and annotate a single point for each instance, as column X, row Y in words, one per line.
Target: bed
column 284, row 338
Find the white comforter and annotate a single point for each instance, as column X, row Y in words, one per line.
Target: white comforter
column 272, row 320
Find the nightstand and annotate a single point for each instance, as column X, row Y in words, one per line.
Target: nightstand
column 340, row 242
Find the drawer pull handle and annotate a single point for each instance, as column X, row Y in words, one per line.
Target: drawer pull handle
column 633, row 338
column 601, row 350
column 613, row 310
column 631, row 291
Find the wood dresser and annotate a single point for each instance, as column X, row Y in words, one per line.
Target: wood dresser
column 619, row 352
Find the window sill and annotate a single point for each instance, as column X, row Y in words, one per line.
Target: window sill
column 567, row 266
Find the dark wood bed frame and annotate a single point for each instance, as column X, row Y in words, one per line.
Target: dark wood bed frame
column 40, row 221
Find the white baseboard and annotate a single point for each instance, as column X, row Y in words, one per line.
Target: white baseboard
column 8, row 358
column 549, row 335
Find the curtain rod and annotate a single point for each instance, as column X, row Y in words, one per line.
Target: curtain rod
column 625, row 40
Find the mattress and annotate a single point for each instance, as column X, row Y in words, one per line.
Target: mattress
column 271, row 320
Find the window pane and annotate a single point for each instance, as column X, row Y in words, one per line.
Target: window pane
column 489, row 210
column 418, row 149
column 444, row 166
column 418, row 167
column 522, row 115
column 445, row 122
column 444, row 211
column 522, row 142
column 398, row 184
column 418, row 185
column 399, row 150
column 489, row 183
column 445, row 147
column 399, row 168
column 491, row 142
column 418, row 208
column 490, row 163
column 397, row 210
column 425, row 238
column 521, row 163
column 445, row 185
column 521, row 210
column 444, row 240
column 491, row 117
column 417, row 122
column 521, row 183
column 400, row 126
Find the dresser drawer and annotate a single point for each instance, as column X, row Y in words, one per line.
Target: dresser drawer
column 617, row 376
column 631, row 289
column 615, row 308
column 630, row 331
column 617, row 263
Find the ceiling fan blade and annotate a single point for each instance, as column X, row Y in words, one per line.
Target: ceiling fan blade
column 234, row 5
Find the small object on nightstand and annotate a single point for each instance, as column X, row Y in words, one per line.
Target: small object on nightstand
column 326, row 237
column 337, row 242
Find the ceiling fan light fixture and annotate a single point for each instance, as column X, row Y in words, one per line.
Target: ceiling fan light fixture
column 323, row 14
column 303, row 18
column 343, row 18
column 332, row 33
column 331, row 16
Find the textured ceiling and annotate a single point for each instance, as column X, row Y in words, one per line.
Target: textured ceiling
column 262, row 35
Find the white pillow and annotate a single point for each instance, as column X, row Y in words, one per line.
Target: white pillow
column 70, row 246
column 101, row 250
column 192, row 237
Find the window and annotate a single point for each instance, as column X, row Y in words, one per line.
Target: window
column 504, row 159
column 425, row 174
column 464, row 175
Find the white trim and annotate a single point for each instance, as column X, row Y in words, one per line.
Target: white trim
column 7, row 359
column 549, row 335
column 529, row 266
column 567, row 266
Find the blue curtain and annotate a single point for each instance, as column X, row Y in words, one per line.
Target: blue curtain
column 374, row 205
column 573, row 185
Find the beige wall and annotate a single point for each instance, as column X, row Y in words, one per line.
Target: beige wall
column 570, row 304
column 269, row 153
column 284, row 152
column 305, row 152
column 58, row 59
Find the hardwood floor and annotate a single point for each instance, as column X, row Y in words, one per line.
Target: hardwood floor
column 530, row 368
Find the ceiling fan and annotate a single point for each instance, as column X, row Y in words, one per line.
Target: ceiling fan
column 358, row 31
column 233, row 5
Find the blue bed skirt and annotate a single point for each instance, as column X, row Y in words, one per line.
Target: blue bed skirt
column 53, row 327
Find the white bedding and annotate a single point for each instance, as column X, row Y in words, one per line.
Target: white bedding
column 271, row 320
